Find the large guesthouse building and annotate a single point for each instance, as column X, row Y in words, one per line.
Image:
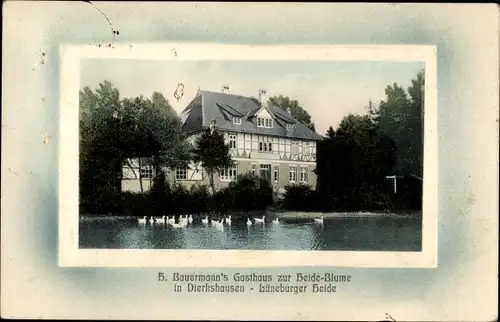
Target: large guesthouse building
column 263, row 139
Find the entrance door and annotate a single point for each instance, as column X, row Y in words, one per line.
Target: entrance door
column 265, row 172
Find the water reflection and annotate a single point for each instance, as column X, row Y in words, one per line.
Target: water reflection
column 342, row 233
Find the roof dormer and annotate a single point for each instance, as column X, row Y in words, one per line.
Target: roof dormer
column 264, row 118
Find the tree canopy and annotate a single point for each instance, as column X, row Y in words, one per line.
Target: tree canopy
column 352, row 164
column 354, row 160
column 212, row 153
column 297, row 111
column 114, row 129
column 400, row 117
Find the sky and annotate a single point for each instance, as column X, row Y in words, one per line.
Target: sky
column 327, row 90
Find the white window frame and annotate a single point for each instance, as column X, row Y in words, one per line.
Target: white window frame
column 146, row 172
column 237, row 120
column 292, row 177
column 265, row 122
column 295, row 147
column 181, row 174
column 265, row 144
column 304, row 174
column 232, row 140
column 306, row 148
column 276, row 173
column 229, row 174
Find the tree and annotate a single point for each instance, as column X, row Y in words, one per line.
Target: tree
column 297, row 111
column 212, row 153
column 158, row 129
column 99, row 155
column 113, row 131
column 330, row 133
column 400, row 116
column 352, row 163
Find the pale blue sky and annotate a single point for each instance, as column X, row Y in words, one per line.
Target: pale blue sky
column 328, row 90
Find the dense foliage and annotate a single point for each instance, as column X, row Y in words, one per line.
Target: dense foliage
column 112, row 130
column 300, row 197
column 354, row 160
column 247, row 193
column 212, row 153
column 353, row 163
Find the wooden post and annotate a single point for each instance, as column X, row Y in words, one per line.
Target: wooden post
column 394, row 180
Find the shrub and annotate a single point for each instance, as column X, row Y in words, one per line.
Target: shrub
column 135, row 204
column 159, row 195
column 250, row 192
column 299, row 197
column 180, row 199
column 200, row 197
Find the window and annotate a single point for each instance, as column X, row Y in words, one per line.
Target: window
column 232, row 141
column 303, row 174
column 289, row 127
column 265, row 145
column 293, row 173
column 276, row 173
column 295, row 147
column 146, row 172
column 236, row 120
column 306, row 148
column 265, row 171
column 228, row 174
column 181, row 174
column 264, row 122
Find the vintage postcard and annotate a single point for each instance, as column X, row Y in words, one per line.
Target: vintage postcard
column 226, row 155
column 247, row 161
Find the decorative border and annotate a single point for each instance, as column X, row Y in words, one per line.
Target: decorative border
column 71, row 255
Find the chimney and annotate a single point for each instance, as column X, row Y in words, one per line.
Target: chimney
column 263, row 98
column 224, row 88
column 289, row 111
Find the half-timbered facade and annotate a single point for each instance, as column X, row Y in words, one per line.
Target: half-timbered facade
column 264, row 140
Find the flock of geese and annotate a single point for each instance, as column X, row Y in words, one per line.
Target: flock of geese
column 185, row 220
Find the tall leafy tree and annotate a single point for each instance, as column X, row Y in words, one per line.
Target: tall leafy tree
column 114, row 130
column 400, row 116
column 212, row 153
column 297, row 111
column 352, row 163
column 99, row 153
column 157, row 123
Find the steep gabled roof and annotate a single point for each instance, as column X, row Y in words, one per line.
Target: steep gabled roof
column 208, row 106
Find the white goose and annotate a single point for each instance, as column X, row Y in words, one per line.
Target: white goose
column 205, row 220
column 319, row 220
column 260, row 220
column 171, row 221
column 174, row 225
column 160, row 220
column 228, row 220
column 249, row 222
column 218, row 224
column 142, row 220
column 190, row 219
column 276, row 221
column 152, row 220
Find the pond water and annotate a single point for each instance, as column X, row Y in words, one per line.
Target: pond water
column 363, row 233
